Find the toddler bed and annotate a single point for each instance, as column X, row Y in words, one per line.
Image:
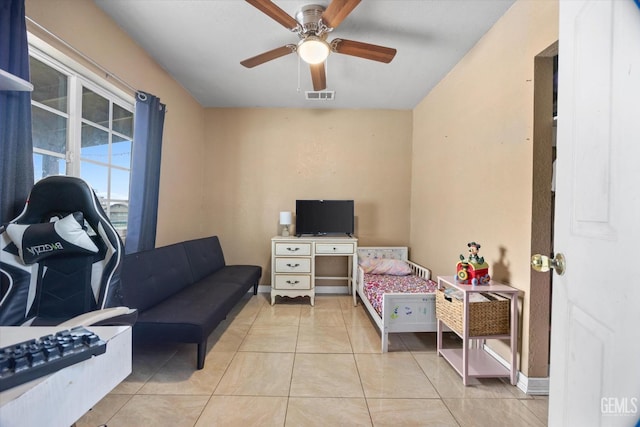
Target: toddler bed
column 398, row 294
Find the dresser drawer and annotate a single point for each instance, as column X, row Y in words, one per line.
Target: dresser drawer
column 293, row 248
column 291, row 281
column 334, row 248
column 293, row 265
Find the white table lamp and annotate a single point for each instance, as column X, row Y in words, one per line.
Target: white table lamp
column 285, row 221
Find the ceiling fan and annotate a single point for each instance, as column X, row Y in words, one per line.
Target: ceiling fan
column 312, row 24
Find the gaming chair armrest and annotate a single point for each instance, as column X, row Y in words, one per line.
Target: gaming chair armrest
column 107, row 316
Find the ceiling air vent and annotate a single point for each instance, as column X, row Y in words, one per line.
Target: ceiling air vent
column 320, row 95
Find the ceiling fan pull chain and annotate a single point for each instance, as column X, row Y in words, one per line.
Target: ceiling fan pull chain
column 326, row 65
column 298, row 74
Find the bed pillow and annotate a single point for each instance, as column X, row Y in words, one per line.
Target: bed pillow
column 38, row 241
column 392, row 267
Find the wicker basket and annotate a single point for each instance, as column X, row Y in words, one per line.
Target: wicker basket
column 485, row 318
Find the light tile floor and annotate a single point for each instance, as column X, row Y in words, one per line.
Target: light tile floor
column 295, row 365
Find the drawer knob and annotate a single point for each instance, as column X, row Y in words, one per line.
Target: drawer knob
column 293, row 282
column 293, row 249
column 293, row 265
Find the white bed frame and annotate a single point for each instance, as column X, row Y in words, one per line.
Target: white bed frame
column 401, row 312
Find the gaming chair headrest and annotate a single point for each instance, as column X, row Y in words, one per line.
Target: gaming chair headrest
column 59, row 196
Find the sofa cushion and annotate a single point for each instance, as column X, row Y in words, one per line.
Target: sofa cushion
column 191, row 314
column 152, row 276
column 247, row 275
column 205, row 256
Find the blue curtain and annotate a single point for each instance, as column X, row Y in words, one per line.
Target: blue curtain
column 145, row 173
column 16, row 145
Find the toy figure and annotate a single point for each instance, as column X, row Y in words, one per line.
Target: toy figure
column 474, row 270
column 473, row 253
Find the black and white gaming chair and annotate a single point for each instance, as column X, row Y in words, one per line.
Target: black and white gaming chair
column 60, row 260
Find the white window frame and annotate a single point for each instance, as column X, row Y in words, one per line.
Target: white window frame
column 80, row 76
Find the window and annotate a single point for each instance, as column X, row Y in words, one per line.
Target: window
column 82, row 128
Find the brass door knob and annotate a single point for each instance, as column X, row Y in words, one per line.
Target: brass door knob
column 543, row 263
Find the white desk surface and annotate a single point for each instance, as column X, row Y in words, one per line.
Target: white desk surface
column 61, row 398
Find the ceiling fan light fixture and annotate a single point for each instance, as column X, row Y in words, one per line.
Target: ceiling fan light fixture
column 313, row 50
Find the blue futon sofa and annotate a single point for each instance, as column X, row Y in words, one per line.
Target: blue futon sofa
column 183, row 291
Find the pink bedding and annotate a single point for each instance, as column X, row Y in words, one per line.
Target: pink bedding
column 375, row 285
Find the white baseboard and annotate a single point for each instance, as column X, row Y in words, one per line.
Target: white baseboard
column 534, row 386
column 336, row 290
column 531, row 386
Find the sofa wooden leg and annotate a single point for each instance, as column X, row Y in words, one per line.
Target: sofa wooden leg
column 255, row 289
column 202, row 352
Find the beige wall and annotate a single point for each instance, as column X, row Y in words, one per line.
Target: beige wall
column 259, row 161
column 472, row 155
column 89, row 30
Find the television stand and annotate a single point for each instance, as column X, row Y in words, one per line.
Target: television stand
column 293, row 263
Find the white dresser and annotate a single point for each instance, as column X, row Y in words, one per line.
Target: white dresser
column 293, row 262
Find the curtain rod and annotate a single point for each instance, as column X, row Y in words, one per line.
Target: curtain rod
column 108, row 73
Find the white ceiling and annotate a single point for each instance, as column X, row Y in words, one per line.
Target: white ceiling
column 201, row 43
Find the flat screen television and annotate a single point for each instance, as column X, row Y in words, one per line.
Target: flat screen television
column 322, row 217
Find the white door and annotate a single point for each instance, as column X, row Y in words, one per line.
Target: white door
column 595, row 338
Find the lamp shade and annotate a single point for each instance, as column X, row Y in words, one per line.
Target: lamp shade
column 285, row 218
column 313, row 50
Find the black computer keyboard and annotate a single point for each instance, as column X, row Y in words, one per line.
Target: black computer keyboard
column 34, row 358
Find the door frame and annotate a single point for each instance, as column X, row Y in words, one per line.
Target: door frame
column 542, row 211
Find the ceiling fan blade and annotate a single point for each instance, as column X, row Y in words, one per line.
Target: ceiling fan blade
column 268, row 56
column 318, row 76
column 363, row 50
column 337, row 11
column 274, row 12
